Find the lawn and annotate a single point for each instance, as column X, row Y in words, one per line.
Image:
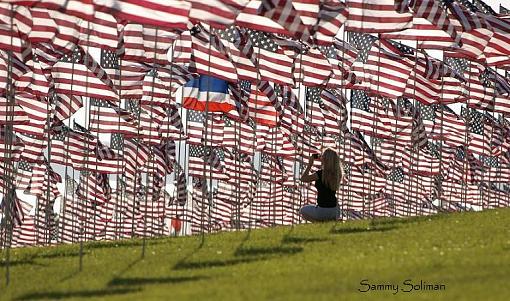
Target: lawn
column 468, row 253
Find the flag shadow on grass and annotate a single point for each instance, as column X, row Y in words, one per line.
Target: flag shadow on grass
column 288, row 238
column 362, row 230
column 29, row 261
column 404, row 220
column 152, row 280
column 123, row 243
column 267, row 251
column 301, row 240
column 78, row 294
column 57, row 255
column 214, row 263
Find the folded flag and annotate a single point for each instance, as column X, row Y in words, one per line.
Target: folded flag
column 207, row 90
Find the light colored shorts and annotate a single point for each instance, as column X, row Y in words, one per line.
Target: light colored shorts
column 314, row 213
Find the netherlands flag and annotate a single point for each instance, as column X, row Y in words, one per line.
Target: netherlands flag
column 198, row 91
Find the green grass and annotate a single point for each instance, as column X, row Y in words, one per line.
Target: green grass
column 468, row 252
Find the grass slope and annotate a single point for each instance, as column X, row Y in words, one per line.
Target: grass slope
column 468, row 252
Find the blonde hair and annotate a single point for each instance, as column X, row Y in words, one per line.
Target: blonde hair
column 331, row 169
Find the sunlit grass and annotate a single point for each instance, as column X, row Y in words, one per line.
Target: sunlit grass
column 468, row 252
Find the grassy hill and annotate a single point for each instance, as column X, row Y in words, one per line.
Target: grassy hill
column 468, row 253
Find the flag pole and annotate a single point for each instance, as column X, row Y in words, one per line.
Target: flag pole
column 9, row 192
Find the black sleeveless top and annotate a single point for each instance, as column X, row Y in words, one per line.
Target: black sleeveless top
column 326, row 198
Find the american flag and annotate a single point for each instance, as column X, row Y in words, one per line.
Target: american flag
column 136, row 155
column 313, row 108
column 431, row 23
column 217, row 13
column 207, row 59
column 245, row 65
column 74, row 78
column 361, row 42
column 476, row 31
column 148, row 118
column 145, row 43
column 503, row 10
column 261, row 108
column 285, row 14
column 332, row 16
column 341, row 55
column 386, row 70
column 203, row 162
column 376, row 16
column 449, row 127
column 195, row 126
column 71, row 148
column 117, row 141
column 172, row 126
column 335, row 113
column 66, row 105
column 289, row 98
column 315, row 68
column 129, row 81
column 10, row 148
column 273, row 65
column 171, row 14
column 34, row 82
column 94, row 188
column 108, row 118
column 34, row 146
column 18, row 115
column 365, row 181
column 483, row 7
column 23, row 174
column 479, row 131
column 428, row 116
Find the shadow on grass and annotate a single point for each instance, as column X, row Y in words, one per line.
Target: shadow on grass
column 78, row 294
column 301, row 240
column 29, row 261
column 257, row 251
column 362, row 230
column 405, row 220
column 186, row 257
column 214, row 263
column 70, row 276
column 146, row 281
column 57, row 255
column 124, row 243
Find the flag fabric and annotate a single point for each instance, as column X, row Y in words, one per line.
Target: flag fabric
column 478, row 132
column 271, row 62
column 376, row 16
column 332, row 15
column 171, row 14
column 204, row 162
column 261, row 103
column 260, row 85
column 432, row 12
column 386, row 71
column 108, row 118
column 207, row 93
column 216, row 13
column 208, row 56
column 145, row 43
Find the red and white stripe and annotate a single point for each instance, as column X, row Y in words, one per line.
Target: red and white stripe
column 112, row 120
column 376, row 16
column 172, row 14
column 77, row 79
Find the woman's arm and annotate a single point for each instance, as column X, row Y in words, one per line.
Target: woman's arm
column 306, row 176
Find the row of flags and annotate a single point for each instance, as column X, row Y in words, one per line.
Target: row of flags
column 103, row 110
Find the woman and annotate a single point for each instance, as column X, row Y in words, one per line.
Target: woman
column 327, row 180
